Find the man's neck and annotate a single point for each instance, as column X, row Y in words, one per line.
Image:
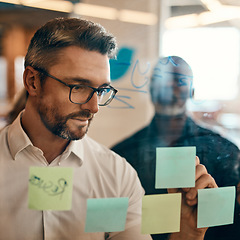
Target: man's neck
column 51, row 145
column 170, row 128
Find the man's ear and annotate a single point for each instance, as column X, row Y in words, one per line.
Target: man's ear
column 31, row 80
column 192, row 92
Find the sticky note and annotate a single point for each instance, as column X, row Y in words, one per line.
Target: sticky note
column 50, row 188
column 161, row 213
column 106, row 214
column 175, row 167
column 215, row 206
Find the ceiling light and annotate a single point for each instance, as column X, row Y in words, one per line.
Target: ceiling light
column 95, row 11
column 137, row 17
column 185, row 21
column 225, row 13
column 90, row 10
column 61, row 6
column 212, row 4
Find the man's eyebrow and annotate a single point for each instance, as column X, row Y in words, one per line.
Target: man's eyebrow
column 79, row 81
column 107, row 84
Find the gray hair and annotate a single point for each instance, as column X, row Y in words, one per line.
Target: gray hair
column 63, row 32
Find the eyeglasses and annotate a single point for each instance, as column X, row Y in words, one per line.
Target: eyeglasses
column 81, row 94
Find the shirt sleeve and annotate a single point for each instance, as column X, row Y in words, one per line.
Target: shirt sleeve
column 130, row 186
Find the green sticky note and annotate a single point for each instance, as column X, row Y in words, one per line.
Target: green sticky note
column 215, row 206
column 106, row 214
column 175, row 167
column 50, row 188
column 161, row 213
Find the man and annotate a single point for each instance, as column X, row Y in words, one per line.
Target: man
column 67, row 78
column 170, row 88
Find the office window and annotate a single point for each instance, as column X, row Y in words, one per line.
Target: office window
column 213, row 54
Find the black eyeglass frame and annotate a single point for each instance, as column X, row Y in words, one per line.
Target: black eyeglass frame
column 71, row 86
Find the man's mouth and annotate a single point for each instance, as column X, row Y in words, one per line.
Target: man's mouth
column 82, row 122
column 81, row 119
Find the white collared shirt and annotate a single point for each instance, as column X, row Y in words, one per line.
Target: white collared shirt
column 98, row 173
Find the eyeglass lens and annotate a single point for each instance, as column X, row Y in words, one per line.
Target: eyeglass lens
column 82, row 94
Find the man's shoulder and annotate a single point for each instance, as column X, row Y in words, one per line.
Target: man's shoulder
column 99, row 151
column 107, row 161
column 209, row 137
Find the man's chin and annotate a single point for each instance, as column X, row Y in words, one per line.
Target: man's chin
column 74, row 131
column 72, row 137
column 79, row 135
column 170, row 110
column 75, row 134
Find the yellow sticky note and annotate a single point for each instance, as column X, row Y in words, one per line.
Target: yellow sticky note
column 50, row 188
column 161, row 213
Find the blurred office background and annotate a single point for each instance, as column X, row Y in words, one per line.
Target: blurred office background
column 206, row 33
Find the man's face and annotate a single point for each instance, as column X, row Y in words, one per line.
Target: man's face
column 75, row 66
column 170, row 91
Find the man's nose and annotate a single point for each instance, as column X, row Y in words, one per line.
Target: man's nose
column 92, row 104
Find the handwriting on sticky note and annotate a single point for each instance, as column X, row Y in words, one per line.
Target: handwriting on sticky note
column 161, row 213
column 106, row 214
column 175, row 167
column 50, row 188
column 215, row 206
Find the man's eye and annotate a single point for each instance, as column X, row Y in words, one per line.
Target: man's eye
column 104, row 91
column 79, row 88
column 182, row 82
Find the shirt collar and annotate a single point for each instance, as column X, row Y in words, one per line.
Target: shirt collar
column 77, row 150
column 17, row 138
column 18, row 141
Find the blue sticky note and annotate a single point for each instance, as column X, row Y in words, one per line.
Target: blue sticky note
column 106, row 214
column 175, row 167
column 215, row 206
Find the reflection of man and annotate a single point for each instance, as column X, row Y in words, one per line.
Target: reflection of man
column 170, row 89
column 67, row 78
column 171, row 86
